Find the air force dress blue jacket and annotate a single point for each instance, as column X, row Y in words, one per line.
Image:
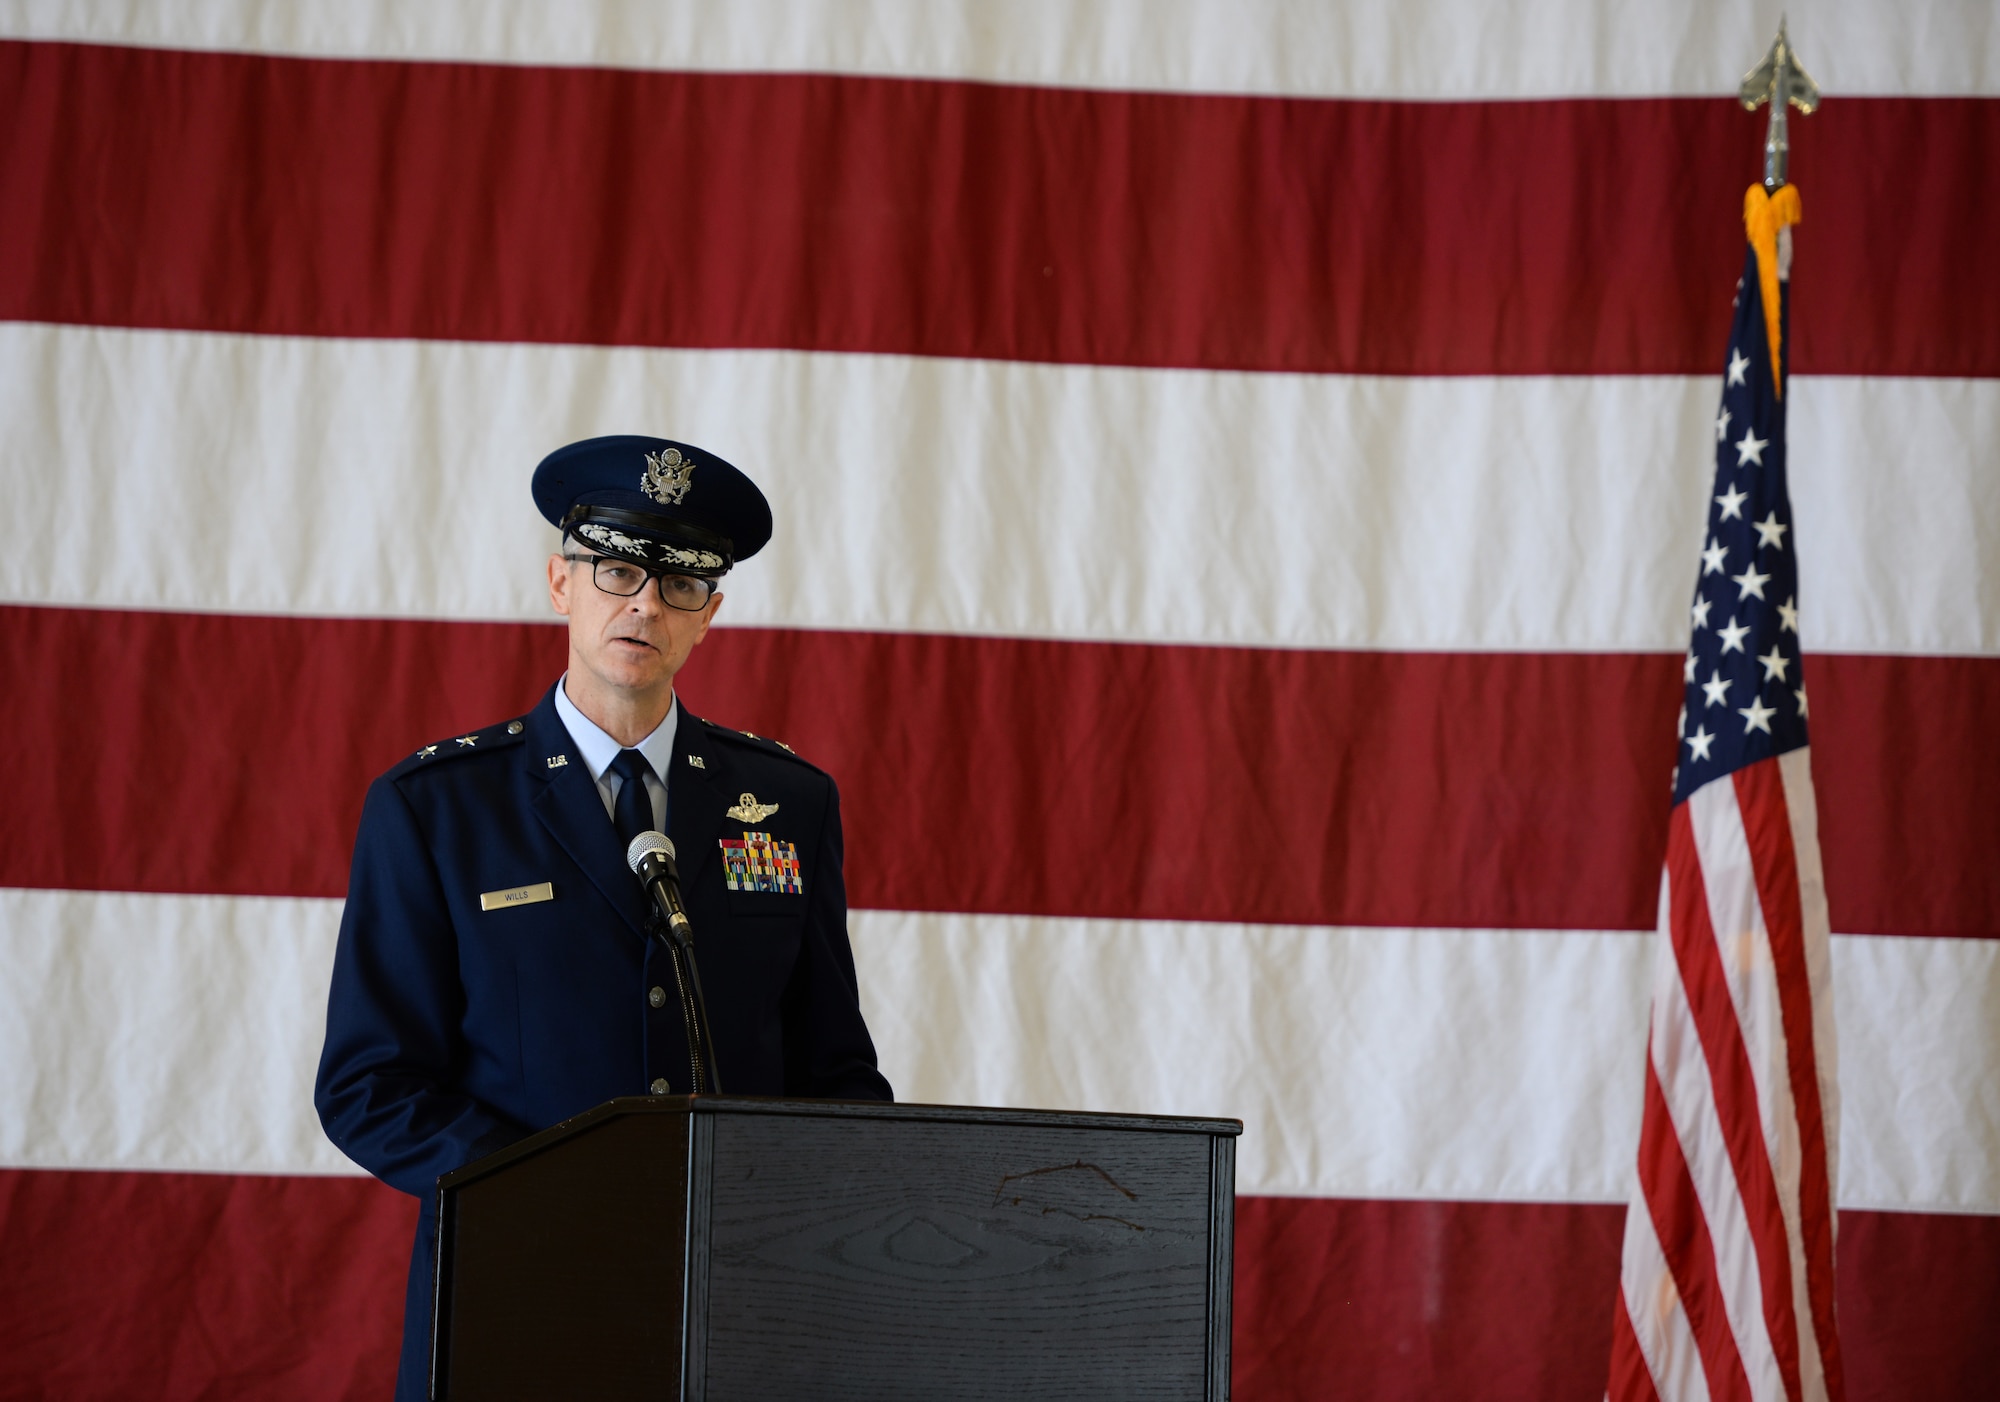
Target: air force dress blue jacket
column 494, row 974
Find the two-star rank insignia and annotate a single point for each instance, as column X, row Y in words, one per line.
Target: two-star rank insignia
column 754, row 862
column 749, row 810
column 427, row 751
column 468, row 740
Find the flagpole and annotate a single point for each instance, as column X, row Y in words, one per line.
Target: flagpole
column 1782, row 82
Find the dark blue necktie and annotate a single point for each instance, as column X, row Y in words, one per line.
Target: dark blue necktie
column 632, row 810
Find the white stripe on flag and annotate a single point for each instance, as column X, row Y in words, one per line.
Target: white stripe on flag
column 181, row 1032
column 1685, row 1080
column 1653, row 1305
column 1419, row 49
column 1512, row 513
column 1743, row 947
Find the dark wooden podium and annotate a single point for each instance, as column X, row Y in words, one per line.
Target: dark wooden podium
column 727, row 1247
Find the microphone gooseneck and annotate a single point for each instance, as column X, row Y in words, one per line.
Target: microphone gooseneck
column 651, row 857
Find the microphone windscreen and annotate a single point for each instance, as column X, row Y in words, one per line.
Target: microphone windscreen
column 647, row 844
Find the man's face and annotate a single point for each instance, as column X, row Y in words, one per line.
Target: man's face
column 633, row 645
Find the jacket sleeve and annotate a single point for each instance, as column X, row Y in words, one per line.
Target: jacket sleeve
column 386, row 1073
column 828, row 1052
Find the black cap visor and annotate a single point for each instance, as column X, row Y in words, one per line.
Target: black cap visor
column 656, row 542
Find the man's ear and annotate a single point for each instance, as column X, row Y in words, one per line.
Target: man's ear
column 708, row 616
column 559, row 584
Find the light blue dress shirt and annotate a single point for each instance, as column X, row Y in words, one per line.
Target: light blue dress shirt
column 598, row 750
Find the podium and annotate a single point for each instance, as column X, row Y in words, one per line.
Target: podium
column 717, row 1247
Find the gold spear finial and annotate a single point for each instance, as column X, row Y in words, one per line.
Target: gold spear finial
column 1780, row 81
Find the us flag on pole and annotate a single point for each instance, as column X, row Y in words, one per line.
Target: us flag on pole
column 1726, row 1290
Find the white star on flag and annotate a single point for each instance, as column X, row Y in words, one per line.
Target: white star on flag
column 1732, row 636
column 1750, row 448
column 1788, row 616
column 1769, row 532
column 1750, row 582
column 1716, row 688
column 1738, row 363
column 1700, row 615
column 1722, row 426
column 1756, row 716
column 1700, row 742
column 1687, row 667
column 1712, row 558
column 1800, row 692
column 1731, row 502
column 1775, row 663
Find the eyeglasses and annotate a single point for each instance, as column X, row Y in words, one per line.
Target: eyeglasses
column 689, row 593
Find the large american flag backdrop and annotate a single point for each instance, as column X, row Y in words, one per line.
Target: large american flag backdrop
column 1240, row 472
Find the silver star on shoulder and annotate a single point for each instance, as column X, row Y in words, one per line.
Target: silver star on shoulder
column 1800, row 692
column 1698, row 743
column 1750, row 582
column 1700, row 614
column 1732, row 636
column 1756, row 716
column 1750, row 448
column 1739, row 364
column 1769, row 532
column 1712, row 558
column 1722, row 427
column 1775, row 663
column 1731, row 502
column 1788, row 616
column 468, row 740
column 427, row 751
column 1716, row 688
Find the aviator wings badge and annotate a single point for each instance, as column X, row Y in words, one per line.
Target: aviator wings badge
column 749, row 810
column 668, row 477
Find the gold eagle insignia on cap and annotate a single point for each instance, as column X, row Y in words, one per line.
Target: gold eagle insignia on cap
column 668, row 477
column 749, row 810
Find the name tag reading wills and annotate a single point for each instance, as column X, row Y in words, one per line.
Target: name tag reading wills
column 520, row 895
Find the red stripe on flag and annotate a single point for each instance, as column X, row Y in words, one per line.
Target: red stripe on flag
column 1760, row 795
column 1734, row 1089
column 236, row 192
column 200, row 1286
column 1668, row 1189
column 1631, row 1379
column 150, row 754
column 220, row 1287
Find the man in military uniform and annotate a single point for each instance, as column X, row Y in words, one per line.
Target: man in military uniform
column 495, row 972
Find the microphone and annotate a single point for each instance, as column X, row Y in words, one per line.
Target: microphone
column 651, row 857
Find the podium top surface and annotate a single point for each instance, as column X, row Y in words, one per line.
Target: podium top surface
column 832, row 1109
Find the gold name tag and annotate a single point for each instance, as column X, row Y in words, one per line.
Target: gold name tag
column 520, row 895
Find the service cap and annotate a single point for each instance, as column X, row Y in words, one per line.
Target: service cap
column 655, row 502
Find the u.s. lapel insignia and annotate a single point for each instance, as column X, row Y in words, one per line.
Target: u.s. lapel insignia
column 749, row 810
column 558, row 761
column 754, row 862
column 697, row 762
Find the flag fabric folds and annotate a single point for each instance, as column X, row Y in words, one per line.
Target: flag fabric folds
column 1727, row 1284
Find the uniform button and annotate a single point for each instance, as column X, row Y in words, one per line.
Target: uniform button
column 658, row 997
column 660, row 1086
column 513, row 727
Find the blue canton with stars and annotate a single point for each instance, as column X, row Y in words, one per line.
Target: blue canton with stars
column 1745, row 698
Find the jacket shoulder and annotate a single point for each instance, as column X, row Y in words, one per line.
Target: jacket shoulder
column 744, row 743
column 454, row 750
